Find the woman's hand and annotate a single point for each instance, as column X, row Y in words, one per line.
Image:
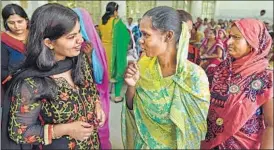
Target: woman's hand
column 80, row 130
column 88, row 48
column 132, row 74
column 101, row 117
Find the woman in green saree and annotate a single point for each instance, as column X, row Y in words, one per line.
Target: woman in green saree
column 167, row 98
column 115, row 39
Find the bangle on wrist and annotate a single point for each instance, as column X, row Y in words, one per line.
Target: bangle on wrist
column 53, row 133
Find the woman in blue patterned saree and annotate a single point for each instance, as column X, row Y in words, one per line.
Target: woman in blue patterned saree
column 167, row 98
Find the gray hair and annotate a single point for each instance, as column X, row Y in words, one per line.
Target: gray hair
column 165, row 18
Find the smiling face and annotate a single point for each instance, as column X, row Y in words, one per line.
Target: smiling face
column 153, row 41
column 17, row 24
column 237, row 45
column 68, row 45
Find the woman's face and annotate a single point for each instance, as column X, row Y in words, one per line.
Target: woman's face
column 210, row 34
column 68, row 45
column 237, row 45
column 221, row 34
column 17, row 24
column 152, row 41
column 193, row 31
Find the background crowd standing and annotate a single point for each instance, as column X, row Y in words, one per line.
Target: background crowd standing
column 190, row 83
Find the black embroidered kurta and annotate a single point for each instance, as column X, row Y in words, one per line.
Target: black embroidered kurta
column 32, row 114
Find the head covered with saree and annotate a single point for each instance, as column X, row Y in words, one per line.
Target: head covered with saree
column 240, row 86
column 220, row 32
column 89, row 33
column 212, row 33
column 168, row 112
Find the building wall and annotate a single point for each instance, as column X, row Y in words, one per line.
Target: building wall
column 243, row 9
column 224, row 9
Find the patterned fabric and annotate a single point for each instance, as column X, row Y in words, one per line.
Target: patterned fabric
column 32, row 114
column 239, row 88
column 168, row 112
column 89, row 33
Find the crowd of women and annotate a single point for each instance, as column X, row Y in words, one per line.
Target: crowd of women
column 57, row 73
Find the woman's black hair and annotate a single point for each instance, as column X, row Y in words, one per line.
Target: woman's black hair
column 165, row 18
column 51, row 21
column 111, row 7
column 12, row 9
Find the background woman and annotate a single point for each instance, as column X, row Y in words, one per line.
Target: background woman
column 13, row 40
column 115, row 38
column 105, row 29
column 222, row 35
column 211, row 52
column 53, row 101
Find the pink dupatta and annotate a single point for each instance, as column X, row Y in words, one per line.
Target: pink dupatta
column 102, row 88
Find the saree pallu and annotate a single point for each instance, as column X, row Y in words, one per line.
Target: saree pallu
column 121, row 38
column 209, row 65
column 89, row 33
column 12, row 57
column 235, row 121
column 168, row 112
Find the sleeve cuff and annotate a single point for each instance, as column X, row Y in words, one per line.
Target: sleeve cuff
column 48, row 134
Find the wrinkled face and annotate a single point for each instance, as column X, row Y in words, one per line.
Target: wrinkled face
column 153, row 41
column 237, row 45
column 68, row 45
column 17, row 24
column 210, row 34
